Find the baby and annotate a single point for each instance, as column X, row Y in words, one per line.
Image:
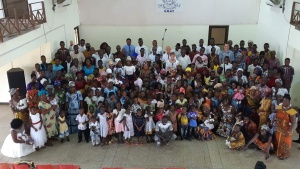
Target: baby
column 54, row 102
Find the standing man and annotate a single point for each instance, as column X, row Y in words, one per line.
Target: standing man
column 78, row 55
column 287, row 73
column 158, row 48
column 129, row 47
column 166, row 56
column 273, row 61
column 201, row 42
column 226, row 52
column 236, row 52
column 212, row 44
column 62, row 51
column 242, row 46
column 184, row 60
column 140, row 46
column 267, row 51
column 81, row 46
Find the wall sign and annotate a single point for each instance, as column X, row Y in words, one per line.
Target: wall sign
column 169, row 6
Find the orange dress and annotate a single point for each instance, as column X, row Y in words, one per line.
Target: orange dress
column 264, row 111
column 283, row 143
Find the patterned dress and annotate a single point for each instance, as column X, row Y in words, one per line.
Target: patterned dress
column 226, row 123
column 73, row 101
column 49, row 119
column 110, row 122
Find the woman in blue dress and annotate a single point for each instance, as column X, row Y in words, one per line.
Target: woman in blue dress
column 88, row 68
column 74, row 103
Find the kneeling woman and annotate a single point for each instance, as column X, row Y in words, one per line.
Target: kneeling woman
column 263, row 140
column 17, row 144
column 164, row 131
column 236, row 139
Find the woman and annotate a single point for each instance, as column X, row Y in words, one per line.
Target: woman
column 88, row 68
column 32, row 95
column 145, row 72
column 61, row 94
column 75, row 68
column 48, row 115
column 73, row 104
column 18, row 106
column 263, row 140
column 110, row 88
column 265, row 108
column 278, row 88
column 17, row 144
column 129, row 70
column 285, row 122
column 240, row 77
column 252, row 102
column 80, row 82
column 227, row 112
column 172, row 62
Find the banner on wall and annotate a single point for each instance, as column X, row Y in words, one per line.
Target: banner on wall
column 169, row 6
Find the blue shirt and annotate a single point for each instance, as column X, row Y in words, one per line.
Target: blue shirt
column 88, row 71
column 56, row 68
column 192, row 122
column 74, row 100
column 223, row 54
column 129, row 49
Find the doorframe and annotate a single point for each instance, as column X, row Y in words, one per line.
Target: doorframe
column 76, row 30
column 218, row 26
column 5, row 11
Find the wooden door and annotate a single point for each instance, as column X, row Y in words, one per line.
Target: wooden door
column 21, row 7
column 220, row 34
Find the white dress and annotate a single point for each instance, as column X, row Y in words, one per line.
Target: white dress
column 149, row 124
column 40, row 136
column 103, row 125
column 128, row 133
column 16, row 150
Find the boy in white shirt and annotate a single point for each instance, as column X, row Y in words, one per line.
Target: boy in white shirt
column 82, row 127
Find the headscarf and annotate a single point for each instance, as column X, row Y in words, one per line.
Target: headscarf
column 72, row 84
column 91, row 77
column 265, row 127
column 69, row 75
column 222, row 79
column 12, row 91
column 188, row 69
column 278, row 81
column 56, row 83
column 253, row 88
column 42, row 92
column 103, row 74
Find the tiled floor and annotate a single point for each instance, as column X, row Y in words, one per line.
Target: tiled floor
column 189, row 154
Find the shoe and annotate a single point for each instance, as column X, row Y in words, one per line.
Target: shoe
column 61, row 140
column 158, row 143
column 68, row 139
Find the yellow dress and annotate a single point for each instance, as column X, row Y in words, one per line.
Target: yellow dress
column 239, row 143
column 62, row 126
column 264, row 111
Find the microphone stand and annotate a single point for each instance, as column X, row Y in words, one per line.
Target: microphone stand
column 163, row 39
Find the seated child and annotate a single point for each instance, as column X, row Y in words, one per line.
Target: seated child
column 236, row 138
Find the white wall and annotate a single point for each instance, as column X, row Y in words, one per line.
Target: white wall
column 143, row 12
column 25, row 50
column 273, row 27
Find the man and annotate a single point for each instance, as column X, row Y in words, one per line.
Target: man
column 108, row 54
column 78, row 55
column 236, row 52
column 153, row 54
column 193, row 52
column 241, row 62
column 226, row 52
column 62, row 51
column 242, row 46
column 57, row 66
column 158, row 48
column 200, row 60
column 201, row 42
column 253, row 66
column 33, row 79
column 129, row 47
column 71, row 47
column 184, row 60
column 44, row 64
column 100, row 56
column 212, row 44
column 230, row 44
column 250, row 43
column 81, row 46
column 177, row 50
column 163, row 131
column 226, row 64
column 166, row 56
column 68, row 64
column 287, row 72
column 87, row 52
column 142, row 58
column 267, row 51
column 273, row 61
column 141, row 45
column 185, row 46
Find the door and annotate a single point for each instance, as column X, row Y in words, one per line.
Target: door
column 219, row 33
column 76, row 35
column 21, row 7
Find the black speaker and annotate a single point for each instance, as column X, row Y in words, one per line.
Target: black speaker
column 16, row 79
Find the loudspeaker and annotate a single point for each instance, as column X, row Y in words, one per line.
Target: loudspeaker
column 16, row 79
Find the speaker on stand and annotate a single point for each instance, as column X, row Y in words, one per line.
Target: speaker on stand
column 16, row 79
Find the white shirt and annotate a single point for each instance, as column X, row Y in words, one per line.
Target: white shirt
column 251, row 69
column 81, row 119
column 165, row 57
column 110, row 56
column 138, row 48
column 177, row 53
column 158, row 50
column 90, row 101
column 68, row 66
column 208, row 49
column 226, row 66
column 81, row 48
column 141, row 59
column 96, row 125
column 163, row 128
column 171, row 65
column 100, row 99
column 78, row 56
column 184, row 61
column 139, row 83
column 152, row 57
column 205, row 51
column 119, row 114
column 129, row 70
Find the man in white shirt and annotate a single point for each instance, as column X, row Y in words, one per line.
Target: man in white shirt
column 201, row 42
column 142, row 57
column 184, row 60
column 226, row 52
column 166, row 56
column 226, row 65
column 108, row 54
column 158, row 48
column 100, row 56
column 177, row 50
column 78, row 55
column 212, row 44
column 141, row 45
column 82, row 126
column 153, row 54
column 81, row 46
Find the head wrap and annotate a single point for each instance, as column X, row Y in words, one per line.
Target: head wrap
column 265, row 127
column 108, row 71
column 240, row 69
column 222, row 78
column 110, row 62
column 162, row 72
column 134, row 55
column 188, row 69
column 56, row 83
column 42, row 92
column 128, row 58
column 72, row 84
column 182, row 90
column 91, row 77
column 69, row 75
column 218, row 85
column 49, row 87
column 253, row 88
column 103, row 73
column 110, row 80
column 117, row 60
column 12, row 91
column 43, row 81
column 278, row 81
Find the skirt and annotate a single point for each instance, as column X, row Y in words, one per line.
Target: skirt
column 119, row 127
column 103, row 129
column 15, row 150
column 72, row 123
column 39, row 137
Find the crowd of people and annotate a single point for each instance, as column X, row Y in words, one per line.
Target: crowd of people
column 196, row 92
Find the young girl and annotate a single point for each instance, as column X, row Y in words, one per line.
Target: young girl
column 139, row 126
column 91, row 112
column 128, row 130
column 103, row 126
column 37, row 130
column 63, row 126
column 119, row 127
column 111, row 127
column 94, row 130
column 150, row 126
column 236, row 138
column 90, row 99
column 238, row 97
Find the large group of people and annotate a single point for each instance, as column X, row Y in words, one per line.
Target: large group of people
column 198, row 92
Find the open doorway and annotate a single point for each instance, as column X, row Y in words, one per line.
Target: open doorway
column 219, row 33
column 76, row 35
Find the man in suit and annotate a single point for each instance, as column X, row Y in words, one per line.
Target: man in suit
column 67, row 64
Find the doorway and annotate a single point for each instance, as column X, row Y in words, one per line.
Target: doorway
column 21, row 7
column 219, row 33
column 76, row 35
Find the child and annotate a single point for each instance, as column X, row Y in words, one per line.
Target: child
column 103, row 125
column 160, row 113
column 238, row 97
column 82, row 121
column 54, row 102
column 118, row 118
column 94, row 130
column 139, row 126
column 150, row 126
column 192, row 115
column 183, row 123
column 63, row 127
column 111, row 127
column 37, row 130
column 91, row 112
column 236, row 138
column 128, row 130
column 90, row 99
column 173, row 117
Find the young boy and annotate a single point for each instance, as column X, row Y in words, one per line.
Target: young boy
column 82, row 127
column 192, row 115
column 183, row 123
